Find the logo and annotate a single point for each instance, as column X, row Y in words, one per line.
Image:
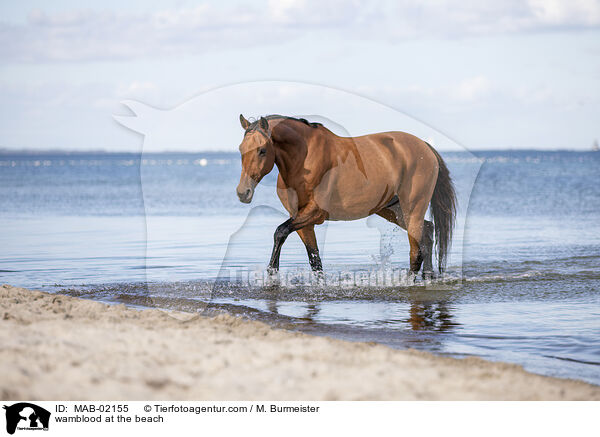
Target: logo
column 26, row 416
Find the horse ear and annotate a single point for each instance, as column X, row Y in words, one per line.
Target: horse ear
column 264, row 124
column 245, row 123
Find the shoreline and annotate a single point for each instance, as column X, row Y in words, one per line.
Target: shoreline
column 58, row 347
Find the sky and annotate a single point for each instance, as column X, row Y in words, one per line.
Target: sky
column 500, row 74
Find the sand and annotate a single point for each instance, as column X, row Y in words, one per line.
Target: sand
column 56, row 347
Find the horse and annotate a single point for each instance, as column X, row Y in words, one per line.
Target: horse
column 323, row 176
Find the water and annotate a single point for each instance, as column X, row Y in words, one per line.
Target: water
column 167, row 230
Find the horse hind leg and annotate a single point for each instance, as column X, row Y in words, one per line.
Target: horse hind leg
column 421, row 247
column 426, row 248
column 420, row 240
column 393, row 214
column 416, row 254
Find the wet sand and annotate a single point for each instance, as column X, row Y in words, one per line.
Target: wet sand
column 57, row 347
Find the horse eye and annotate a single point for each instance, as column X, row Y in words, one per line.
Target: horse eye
column 262, row 152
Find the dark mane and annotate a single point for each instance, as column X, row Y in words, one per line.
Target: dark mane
column 254, row 125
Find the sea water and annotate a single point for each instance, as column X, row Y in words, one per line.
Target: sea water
column 167, row 231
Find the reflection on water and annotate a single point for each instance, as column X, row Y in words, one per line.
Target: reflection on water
column 422, row 315
column 430, row 317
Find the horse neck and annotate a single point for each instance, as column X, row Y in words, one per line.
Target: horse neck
column 292, row 141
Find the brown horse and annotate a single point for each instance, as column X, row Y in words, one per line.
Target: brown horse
column 323, row 176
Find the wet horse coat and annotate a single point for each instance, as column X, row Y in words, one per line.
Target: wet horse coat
column 323, row 176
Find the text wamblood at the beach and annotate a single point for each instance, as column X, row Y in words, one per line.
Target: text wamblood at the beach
column 110, row 418
column 258, row 408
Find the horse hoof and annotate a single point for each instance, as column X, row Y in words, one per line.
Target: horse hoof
column 272, row 276
column 319, row 277
column 428, row 275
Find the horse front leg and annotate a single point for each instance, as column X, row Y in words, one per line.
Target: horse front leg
column 310, row 215
column 307, row 235
column 281, row 234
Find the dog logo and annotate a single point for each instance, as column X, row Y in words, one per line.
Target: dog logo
column 26, row 416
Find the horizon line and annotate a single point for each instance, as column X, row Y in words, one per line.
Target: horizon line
column 33, row 151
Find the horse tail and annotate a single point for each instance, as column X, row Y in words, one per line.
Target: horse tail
column 443, row 209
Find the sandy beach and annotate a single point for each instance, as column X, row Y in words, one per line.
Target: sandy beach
column 64, row 348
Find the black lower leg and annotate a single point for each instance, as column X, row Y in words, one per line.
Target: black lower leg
column 314, row 259
column 427, row 248
column 282, row 232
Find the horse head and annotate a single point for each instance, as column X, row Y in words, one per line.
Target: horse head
column 258, row 156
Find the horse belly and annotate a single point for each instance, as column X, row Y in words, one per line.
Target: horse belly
column 348, row 192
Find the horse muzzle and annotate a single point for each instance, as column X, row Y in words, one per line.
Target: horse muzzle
column 245, row 195
column 245, row 192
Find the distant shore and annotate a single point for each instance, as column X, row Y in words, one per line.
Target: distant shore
column 57, row 347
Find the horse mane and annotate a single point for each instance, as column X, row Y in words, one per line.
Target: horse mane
column 254, row 124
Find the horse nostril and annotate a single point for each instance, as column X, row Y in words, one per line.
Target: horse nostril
column 244, row 195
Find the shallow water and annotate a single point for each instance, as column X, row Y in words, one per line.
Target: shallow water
column 523, row 283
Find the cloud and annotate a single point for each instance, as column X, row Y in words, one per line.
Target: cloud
column 81, row 35
column 470, row 89
column 573, row 13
